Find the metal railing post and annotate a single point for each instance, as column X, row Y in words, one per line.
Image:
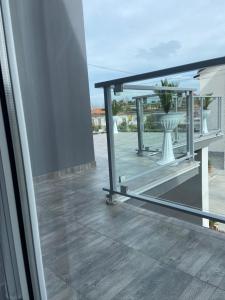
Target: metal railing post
column 191, row 106
column 201, row 116
column 190, row 121
column 140, row 125
column 110, row 142
column 176, row 135
column 219, row 114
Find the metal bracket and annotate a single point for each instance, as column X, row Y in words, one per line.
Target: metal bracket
column 118, row 88
column 124, row 189
column 122, row 178
column 109, row 200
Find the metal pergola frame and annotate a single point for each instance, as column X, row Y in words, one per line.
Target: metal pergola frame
column 118, row 85
column 164, row 72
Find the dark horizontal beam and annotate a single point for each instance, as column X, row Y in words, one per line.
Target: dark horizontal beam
column 175, row 206
column 163, row 72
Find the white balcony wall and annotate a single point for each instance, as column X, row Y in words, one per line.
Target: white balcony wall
column 212, row 80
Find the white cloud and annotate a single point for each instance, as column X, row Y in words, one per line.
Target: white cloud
column 162, row 50
column 139, row 36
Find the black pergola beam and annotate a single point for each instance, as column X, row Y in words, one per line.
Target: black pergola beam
column 164, row 72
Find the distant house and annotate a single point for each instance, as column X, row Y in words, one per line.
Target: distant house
column 98, row 119
column 98, row 116
column 95, row 112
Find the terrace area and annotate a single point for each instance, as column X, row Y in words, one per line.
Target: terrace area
column 95, row 251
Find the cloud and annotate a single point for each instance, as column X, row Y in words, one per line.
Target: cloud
column 141, row 36
column 162, row 50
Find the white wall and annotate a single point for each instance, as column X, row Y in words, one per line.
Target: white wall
column 212, row 80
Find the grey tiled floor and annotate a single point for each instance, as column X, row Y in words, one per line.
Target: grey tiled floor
column 94, row 251
column 128, row 164
column 216, row 194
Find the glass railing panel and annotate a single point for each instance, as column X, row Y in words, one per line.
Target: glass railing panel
column 150, row 131
column 211, row 114
column 152, row 135
column 198, row 115
column 209, row 100
column 207, row 115
column 154, row 114
column 125, row 136
column 198, row 184
column 143, row 163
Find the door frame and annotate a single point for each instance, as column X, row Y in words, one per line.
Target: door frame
column 19, row 162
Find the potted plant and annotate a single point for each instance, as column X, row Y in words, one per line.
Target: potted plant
column 206, row 112
column 115, row 111
column 169, row 121
column 123, row 126
column 210, row 167
column 213, row 225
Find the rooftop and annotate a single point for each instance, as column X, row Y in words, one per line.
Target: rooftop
column 95, row 251
column 97, row 111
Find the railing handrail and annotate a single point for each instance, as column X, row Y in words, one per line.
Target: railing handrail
column 203, row 97
column 157, row 88
column 163, row 72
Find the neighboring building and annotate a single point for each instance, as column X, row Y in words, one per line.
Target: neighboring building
column 98, row 119
column 212, row 81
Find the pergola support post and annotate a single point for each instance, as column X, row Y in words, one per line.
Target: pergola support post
column 110, row 144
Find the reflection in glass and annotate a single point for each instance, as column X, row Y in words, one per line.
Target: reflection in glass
column 9, row 277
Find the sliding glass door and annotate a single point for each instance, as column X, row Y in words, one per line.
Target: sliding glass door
column 21, row 269
column 14, row 274
column 10, row 285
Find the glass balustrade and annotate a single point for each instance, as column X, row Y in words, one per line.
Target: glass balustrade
column 146, row 137
column 161, row 133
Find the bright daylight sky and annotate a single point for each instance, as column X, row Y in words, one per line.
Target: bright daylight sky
column 136, row 36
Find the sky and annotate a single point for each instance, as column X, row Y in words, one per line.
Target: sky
column 129, row 37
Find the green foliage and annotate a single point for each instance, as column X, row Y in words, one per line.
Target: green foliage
column 96, row 128
column 132, row 128
column 116, row 107
column 207, row 101
column 197, row 102
column 166, row 96
column 149, row 123
column 213, row 225
column 122, row 106
column 123, row 126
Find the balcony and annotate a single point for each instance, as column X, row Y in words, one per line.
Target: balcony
column 159, row 124
column 132, row 250
column 137, row 151
column 136, row 249
column 94, row 251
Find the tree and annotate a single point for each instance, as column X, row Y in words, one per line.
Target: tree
column 116, row 107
